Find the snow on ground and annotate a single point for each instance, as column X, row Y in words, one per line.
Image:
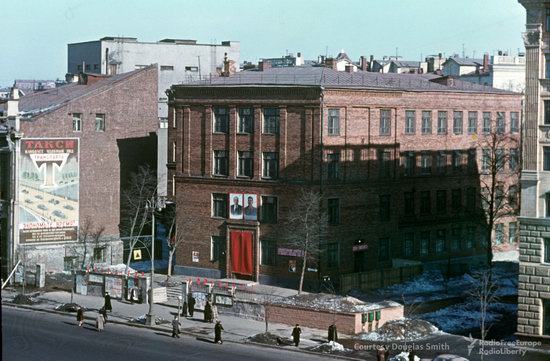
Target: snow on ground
column 507, row 256
column 403, row 356
column 401, row 330
column 323, row 301
column 330, row 346
column 464, row 316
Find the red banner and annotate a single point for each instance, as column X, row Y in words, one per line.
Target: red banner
column 242, row 252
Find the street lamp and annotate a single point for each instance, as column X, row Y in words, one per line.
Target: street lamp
column 155, row 203
column 179, row 303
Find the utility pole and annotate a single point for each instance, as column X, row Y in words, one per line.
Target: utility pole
column 156, row 202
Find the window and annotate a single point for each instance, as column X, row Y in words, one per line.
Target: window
column 384, row 201
column 410, row 121
column 408, row 244
column 456, row 200
column 217, row 249
column 546, row 159
column 383, row 249
column 514, row 122
column 426, row 122
column 471, row 199
column 166, row 68
column 271, row 165
column 501, row 123
column 547, row 250
column 472, row 122
column 547, row 58
column 334, row 122
column 220, row 163
column 99, row 254
column 485, row 160
column 77, row 122
column 513, row 196
column 385, row 121
column 268, row 252
column 457, row 122
column 470, row 237
column 174, row 151
column 269, row 209
column 425, row 202
column 332, row 255
column 457, row 161
column 334, row 211
column 100, row 122
column 441, row 201
column 547, row 19
column 245, row 168
column 87, row 67
column 442, row 162
column 472, row 159
column 219, row 205
column 455, row 239
column 192, row 68
column 513, row 160
column 486, row 122
column 333, row 166
column 499, row 159
column 384, row 162
column 163, row 123
column 246, row 120
column 409, row 203
column 440, row 241
column 485, row 199
column 426, row 164
column 221, row 120
column 499, row 233
column 69, row 263
column 442, row 122
column 409, row 163
column 512, row 232
column 424, row 243
column 271, row 120
column 547, row 205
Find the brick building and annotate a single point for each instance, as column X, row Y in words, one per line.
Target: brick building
column 534, row 267
column 397, row 159
column 79, row 144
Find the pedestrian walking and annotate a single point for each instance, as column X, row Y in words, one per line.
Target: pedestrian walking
column 332, row 333
column 184, row 309
column 208, row 312
column 176, row 326
column 107, row 305
column 132, row 294
column 296, row 331
column 80, row 316
column 191, row 304
column 104, row 313
column 381, row 354
column 218, row 332
column 100, row 322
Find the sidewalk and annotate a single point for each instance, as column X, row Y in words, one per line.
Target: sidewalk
column 235, row 329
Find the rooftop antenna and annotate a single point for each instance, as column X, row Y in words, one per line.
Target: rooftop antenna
column 463, row 55
column 326, row 51
column 396, row 56
column 474, row 54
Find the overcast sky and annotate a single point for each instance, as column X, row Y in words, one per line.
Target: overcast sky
column 36, row 32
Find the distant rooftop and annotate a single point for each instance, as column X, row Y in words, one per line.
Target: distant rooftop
column 326, row 77
column 467, row 61
column 125, row 39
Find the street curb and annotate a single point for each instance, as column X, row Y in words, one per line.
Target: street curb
column 169, row 329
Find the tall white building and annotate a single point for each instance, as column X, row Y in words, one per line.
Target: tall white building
column 178, row 61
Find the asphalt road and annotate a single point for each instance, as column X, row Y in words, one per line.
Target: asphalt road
column 39, row 336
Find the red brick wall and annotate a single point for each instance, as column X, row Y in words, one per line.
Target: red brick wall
column 130, row 109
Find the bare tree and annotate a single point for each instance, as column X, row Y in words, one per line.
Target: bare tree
column 268, row 297
column 483, row 291
column 89, row 237
column 307, row 228
column 499, row 183
column 141, row 187
column 175, row 236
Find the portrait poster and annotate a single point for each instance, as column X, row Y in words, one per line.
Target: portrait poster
column 236, row 206
column 250, row 210
column 292, row 265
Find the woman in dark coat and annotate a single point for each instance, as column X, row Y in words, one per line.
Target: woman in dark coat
column 218, row 332
column 80, row 316
column 107, row 305
column 208, row 312
column 332, row 333
column 296, row 331
column 191, row 304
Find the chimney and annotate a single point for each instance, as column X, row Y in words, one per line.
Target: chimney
column 363, row 63
column 330, row 63
column 82, row 79
column 264, row 65
column 485, row 62
column 349, row 68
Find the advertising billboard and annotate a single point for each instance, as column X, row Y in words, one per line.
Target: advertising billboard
column 48, row 190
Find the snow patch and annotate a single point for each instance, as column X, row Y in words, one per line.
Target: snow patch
column 330, row 346
column 403, row 356
column 401, row 330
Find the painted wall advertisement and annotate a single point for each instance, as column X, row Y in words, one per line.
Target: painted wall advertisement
column 48, row 190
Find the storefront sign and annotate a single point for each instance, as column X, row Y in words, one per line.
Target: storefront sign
column 290, row 252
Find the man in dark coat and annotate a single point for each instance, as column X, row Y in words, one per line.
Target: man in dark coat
column 80, row 316
column 184, row 309
column 176, row 327
column 332, row 333
column 107, row 305
column 296, row 331
column 191, row 304
column 208, row 312
column 218, row 332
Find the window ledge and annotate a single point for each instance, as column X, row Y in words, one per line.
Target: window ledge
column 243, row 133
column 220, row 175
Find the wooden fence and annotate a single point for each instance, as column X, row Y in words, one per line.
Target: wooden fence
column 378, row 278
